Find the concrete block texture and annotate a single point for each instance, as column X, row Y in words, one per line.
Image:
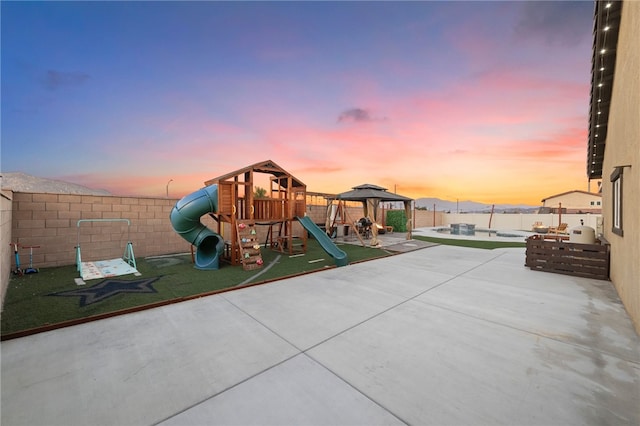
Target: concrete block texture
column 51, row 221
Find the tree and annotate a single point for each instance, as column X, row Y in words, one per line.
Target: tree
column 259, row 192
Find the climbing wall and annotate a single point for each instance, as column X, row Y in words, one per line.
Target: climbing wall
column 250, row 254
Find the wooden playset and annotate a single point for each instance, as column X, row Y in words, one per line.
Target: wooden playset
column 240, row 212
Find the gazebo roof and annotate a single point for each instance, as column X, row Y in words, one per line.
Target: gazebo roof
column 368, row 191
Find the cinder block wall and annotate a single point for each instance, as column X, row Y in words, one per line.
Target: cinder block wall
column 51, row 222
column 426, row 218
column 422, row 218
column 318, row 213
column 5, row 231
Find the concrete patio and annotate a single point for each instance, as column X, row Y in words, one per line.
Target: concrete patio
column 442, row 335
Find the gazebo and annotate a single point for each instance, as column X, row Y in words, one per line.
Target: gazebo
column 371, row 196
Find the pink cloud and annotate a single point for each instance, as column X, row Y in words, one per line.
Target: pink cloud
column 462, row 138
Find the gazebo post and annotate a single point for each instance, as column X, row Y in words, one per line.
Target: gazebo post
column 407, row 212
column 373, row 203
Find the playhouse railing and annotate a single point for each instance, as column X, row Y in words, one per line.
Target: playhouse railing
column 270, row 209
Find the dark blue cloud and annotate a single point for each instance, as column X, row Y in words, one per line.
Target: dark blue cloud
column 555, row 22
column 54, row 80
column 357, row 115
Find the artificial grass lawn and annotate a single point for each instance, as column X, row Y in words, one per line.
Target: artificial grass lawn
column 488, row 245
column 28, row 303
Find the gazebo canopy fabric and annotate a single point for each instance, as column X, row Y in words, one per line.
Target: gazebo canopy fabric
column 368, row 191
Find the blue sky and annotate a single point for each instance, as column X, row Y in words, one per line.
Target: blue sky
column 470, row 100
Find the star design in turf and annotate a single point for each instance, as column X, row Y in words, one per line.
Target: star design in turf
column 107, row 288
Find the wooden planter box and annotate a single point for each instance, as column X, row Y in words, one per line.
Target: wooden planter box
column 562, row 257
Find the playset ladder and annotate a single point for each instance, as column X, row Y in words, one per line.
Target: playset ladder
column 285, row 242
column 250, row 254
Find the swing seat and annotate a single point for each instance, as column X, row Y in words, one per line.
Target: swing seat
column 106, row 268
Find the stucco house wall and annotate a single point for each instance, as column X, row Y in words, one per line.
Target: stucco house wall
column 575, row 201
column 623, row 149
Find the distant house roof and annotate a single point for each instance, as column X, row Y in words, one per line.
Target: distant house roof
column 571, row 192
column 369, row 191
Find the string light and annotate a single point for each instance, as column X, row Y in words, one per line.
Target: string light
column 604, row 23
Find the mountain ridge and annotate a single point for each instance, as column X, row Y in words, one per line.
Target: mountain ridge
column 23, row 182
column 468, row 206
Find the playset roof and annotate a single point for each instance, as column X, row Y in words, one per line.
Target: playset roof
column 267, row 167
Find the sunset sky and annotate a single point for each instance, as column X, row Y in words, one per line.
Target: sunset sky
column 483, row 101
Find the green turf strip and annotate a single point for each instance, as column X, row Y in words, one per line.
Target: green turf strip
column 488, row 245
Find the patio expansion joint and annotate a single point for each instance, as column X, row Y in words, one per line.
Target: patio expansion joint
column 303, row 352
column 306, row 351
column 355, row 389
column 220, row 392
column 248, row 378
column 533, row 333
column 410, row 299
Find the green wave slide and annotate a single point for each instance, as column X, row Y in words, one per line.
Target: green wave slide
column 325, row 242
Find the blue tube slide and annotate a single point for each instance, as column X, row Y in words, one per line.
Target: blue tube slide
column 185, row 219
